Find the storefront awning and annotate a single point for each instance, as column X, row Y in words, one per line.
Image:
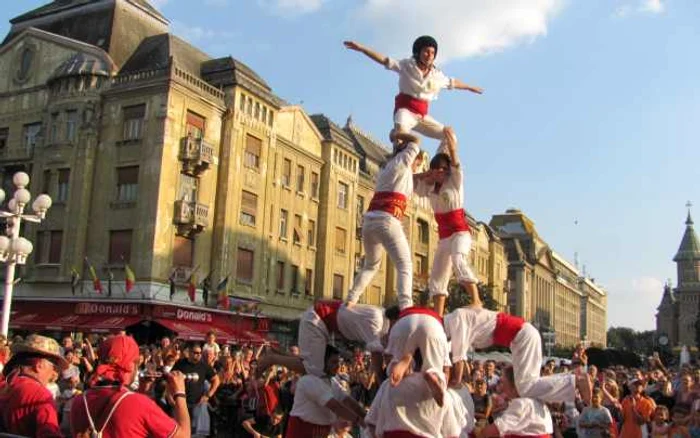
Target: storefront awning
column 194, row 331
column 46, row 321
column 109, row 324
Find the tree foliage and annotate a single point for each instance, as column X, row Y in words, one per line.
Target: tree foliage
column 627, row 339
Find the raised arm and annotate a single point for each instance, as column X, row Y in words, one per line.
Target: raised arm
column 459, row 85
column 371, row 54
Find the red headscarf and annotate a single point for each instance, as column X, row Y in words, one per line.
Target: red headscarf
column 118, row 357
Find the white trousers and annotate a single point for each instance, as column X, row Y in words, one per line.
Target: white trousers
column 526, row 351
column 419, row 332
column 313, row 338
column 452, row 253
column 428, row 126
column 379, row 234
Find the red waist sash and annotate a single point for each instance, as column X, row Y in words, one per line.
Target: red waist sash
column 400, row 434
column 416, row 106
column 327, row 310
column 507, row 327
column 415, row 310
column 391, row 202
column 298, row 428
column 451, row 222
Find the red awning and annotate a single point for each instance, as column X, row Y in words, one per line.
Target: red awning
column 45, row 320
column 194, row 331
column 109, row 324
column 246, row 336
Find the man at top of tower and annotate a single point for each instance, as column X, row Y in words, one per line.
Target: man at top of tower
column 420, row 82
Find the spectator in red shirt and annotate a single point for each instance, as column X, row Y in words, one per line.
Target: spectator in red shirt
column 26, row 405
column 133, row 415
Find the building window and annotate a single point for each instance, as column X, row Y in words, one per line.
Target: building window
column 257, row 111
column 244, row 265
column 249, row 106
column 133, row 121
column 314, row 185
column 53, row 130
column 241, row 105
column 183, row 251
column 280, row 276
column 270, row 118
column 308, row 283
column 71, row 125
column 195, row 125
column 337, row 287
column 249, row 208
column 127, row 183
column 287, row 172
column 311, row 233
column 423, row 231
column 296, row 232
column 253, row 146
column 283, row 223
column 300, row 178
column 340, row 235
column 48, row 247
column 63, row 185
column 420, row 265
column 188, row 188
column 119, row 246
column 342, row 195
column 46, row 182
column 4, row 136
column 31, row 135
column 295, row 279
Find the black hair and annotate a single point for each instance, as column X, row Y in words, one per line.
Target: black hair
column 439, row 159
column 330, row 351
column 392, row 313
column 422, row 42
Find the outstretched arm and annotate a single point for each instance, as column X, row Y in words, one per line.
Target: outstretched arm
column 371, row 54
column 459, row 85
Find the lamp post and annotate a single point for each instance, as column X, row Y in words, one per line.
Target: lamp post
column 15, row 249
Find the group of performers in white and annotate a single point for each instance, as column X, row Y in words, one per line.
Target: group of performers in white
column 419, row 352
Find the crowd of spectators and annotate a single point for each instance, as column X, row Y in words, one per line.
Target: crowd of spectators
column 229, row 398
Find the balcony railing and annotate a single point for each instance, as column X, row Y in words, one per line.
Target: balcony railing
column 190, row 217
column 196, row 155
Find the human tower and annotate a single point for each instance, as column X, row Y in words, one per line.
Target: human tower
column 419, row 353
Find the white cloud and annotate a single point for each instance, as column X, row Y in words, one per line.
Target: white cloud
column 159, row 3
column 653, row 6
column 633, row 302
column 197, row 33
column 463, row 29
column 641, row 7
column 291, row 7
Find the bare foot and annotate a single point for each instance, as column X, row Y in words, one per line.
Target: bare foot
column 435, row 387
column 400, row 138
column 473, row 291
column 398, row 371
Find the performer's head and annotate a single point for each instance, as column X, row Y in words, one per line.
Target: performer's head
column 440, row 165
column 425, row 50
column 332, row 360
column 507, row 384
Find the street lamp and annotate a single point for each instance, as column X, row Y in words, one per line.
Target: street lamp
column 15, row 249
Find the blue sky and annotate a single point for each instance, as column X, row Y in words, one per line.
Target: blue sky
column 589, row 121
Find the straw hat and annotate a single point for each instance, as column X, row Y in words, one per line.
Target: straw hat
column 43, row 346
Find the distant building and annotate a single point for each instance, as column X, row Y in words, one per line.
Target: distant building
column 677, row 314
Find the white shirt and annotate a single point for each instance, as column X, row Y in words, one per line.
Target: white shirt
column 466, row 328
column 397, row 176
column 525, row 416
column 310, row 398
column 450, row 197
column 363, row 323
column 412, row 81
column 456, row 419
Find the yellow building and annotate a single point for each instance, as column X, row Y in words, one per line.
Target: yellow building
column 547, row 290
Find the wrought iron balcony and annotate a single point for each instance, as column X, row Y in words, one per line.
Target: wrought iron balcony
column 196, row 155
column 190, row 217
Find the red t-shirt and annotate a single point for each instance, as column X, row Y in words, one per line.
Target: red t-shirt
column 136, row 416
column 28, row 409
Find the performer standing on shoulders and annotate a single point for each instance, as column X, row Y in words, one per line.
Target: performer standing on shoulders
column 381, row 226
column 444, row 186
column 419, row 83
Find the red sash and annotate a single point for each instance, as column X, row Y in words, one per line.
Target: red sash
column 327, row 310
column 420, row 311
column 298, row 428
column 507, row 326
column 391, row 202
column 400, row 434
column 451, row 222
column 416, row 106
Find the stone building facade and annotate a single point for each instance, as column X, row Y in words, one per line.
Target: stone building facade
column 677, row 313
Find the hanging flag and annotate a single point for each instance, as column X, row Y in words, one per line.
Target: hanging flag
column 110, row 278
column 171, row 281
column 192, row 286
column 205, row 285
column 96, row 284
column 74, row 279
column 129, row 278
column 222, row 292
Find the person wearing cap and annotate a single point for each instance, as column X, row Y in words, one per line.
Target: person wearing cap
column 637, row 410
column 110, row 407
column 26, row 406
column 420, row 82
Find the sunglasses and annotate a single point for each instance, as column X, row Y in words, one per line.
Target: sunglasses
column 196, row 352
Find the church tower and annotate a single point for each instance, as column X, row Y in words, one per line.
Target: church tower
column 687, row 292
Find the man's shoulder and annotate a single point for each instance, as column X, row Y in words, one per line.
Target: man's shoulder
column 26, row 387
